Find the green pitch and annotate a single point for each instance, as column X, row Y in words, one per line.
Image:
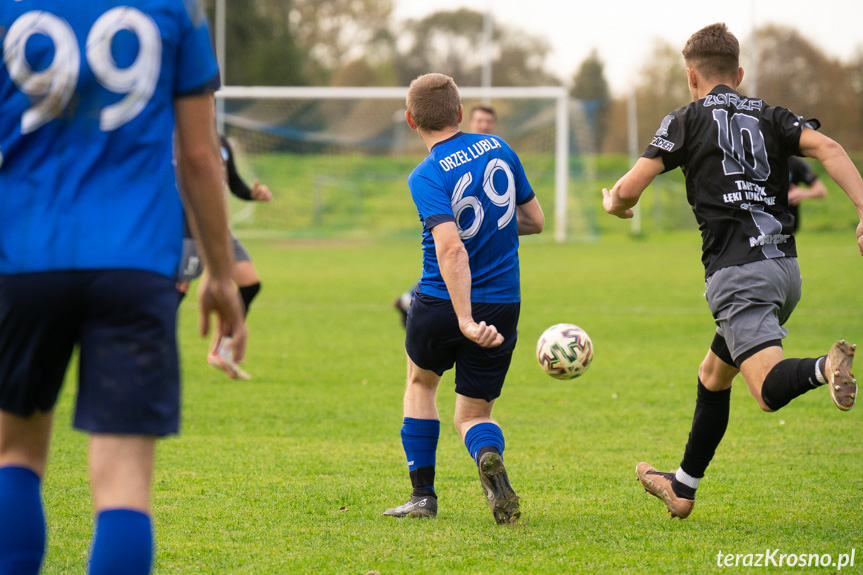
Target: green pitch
column 289, row 473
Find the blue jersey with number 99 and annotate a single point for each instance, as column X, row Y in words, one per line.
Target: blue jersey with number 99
column 475, row 180
column 87, row 95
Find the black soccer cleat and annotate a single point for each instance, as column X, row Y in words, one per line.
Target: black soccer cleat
column 502, row 500
column 425, row 506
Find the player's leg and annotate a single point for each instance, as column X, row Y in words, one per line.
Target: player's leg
column 709, row 422
column 128, row 394
column 775, row 381
column 750, row 304
column 479, row 379
column 121, row 474
column 420, row 433
column 23, row 456
column 403, row 303
column 248, row 285
column 430, row 341
column 38, row 323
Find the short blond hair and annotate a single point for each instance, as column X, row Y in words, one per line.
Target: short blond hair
column 714, row 52
column 433, row 102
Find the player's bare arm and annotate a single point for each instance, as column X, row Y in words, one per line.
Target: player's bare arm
column 839, row 166
column 199, row 169
column 628, row 189
column 797, row 194
column 455, row 269
column 530, row 218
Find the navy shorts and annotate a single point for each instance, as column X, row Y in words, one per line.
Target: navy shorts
column 124, row 322
column 434, row 342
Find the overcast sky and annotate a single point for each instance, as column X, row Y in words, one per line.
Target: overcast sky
column 623, row 31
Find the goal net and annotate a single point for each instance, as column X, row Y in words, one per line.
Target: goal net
column 337, row 159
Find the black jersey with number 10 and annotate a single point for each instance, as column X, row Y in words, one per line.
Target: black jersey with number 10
column 734, row 152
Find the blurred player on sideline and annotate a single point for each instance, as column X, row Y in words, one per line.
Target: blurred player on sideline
column 90, row 96
column 474, row 201
column 733, row 150
column 244, row 273
column 804, row 185
column 483, row 120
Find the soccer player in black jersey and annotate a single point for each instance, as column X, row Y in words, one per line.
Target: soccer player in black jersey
column 244, row 274
column 734, row 153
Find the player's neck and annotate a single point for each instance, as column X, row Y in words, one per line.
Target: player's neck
column 430, row 138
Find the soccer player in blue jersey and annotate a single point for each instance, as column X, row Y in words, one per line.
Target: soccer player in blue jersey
column 474, row 201
column 482, row 120
column 733, row 150
column 94, row 96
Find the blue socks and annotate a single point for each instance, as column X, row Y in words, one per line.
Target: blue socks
column 483, row 437
column 123, row 543
column 419, row 439
column 22, row 521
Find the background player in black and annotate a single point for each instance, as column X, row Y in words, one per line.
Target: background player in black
column 733, row 151
column 804, row 185
column 244, row 274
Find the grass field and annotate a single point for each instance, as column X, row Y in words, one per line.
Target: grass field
column 289, row 473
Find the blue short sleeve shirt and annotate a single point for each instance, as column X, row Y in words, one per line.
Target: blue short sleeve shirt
column 476, row 181
column 87, row 94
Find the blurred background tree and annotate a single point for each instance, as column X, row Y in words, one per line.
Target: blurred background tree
column 357, row 43
column 589, row 84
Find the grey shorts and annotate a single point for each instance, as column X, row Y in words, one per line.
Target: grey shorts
column 751, row 302
column 191, row 264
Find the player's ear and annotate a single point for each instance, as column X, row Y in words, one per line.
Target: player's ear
column 409, row 119
column 739, row 75
column 460, row 113
column 692, row 79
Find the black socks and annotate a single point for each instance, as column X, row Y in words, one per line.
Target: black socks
column 422, row 480
column 708, row 427
column 788, row 379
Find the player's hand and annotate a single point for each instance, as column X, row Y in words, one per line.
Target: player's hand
column 608, row 204
column 860, row 237
column 796, row 194
column 482, row 334
column 221, row 297
column 261, row 193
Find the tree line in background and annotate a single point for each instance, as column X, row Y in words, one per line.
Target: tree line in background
column 356, row 43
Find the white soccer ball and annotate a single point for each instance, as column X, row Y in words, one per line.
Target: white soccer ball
column 564, row 351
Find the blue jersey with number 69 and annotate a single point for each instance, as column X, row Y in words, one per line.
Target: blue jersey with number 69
column 87, row 95
column 475, row 180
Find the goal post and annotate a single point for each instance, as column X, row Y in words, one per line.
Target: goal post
column 244, row 110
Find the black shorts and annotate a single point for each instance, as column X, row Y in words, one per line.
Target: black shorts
column 125, row 324
column 435, row 342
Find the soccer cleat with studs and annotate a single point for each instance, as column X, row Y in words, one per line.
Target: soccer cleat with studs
column 230, row 368
column 840, row 380
column 501, row 498
column 418, row 506
column 222, row 358
column 658, row 484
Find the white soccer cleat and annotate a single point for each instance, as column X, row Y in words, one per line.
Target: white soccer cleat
column 223, row 359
